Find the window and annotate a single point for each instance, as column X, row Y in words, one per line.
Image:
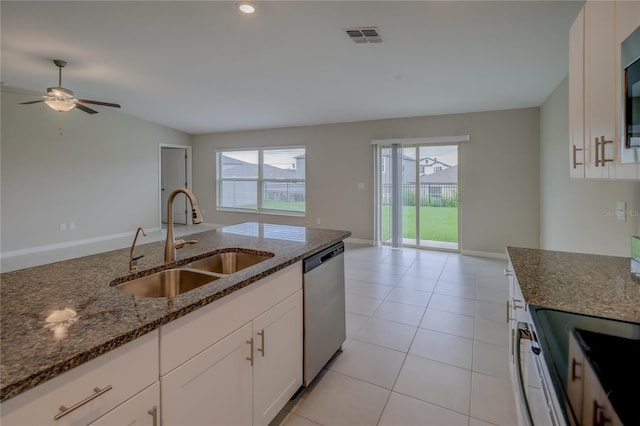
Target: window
column 262, row 180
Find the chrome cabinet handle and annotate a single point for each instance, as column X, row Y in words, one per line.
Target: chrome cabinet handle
column 261, row 334
column 515, row 304
column 250, row 358
column 96, row 393
column 507, row 272
column 597, row 153
column 603, row 157
column 574, row 376
column 154, row 414
column 575, row 161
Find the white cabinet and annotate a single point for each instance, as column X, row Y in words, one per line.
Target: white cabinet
column 214, row 387
column 246, row 377
column 141, row 410
column 595, row 104
column 83, row 394
column 578, row 153
column 277, row 372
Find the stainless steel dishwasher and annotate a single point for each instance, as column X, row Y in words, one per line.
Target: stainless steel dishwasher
column 324, row 308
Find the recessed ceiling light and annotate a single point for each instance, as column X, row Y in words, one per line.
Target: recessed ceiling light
column 246, row 7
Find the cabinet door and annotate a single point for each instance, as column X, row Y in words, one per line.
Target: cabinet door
column 214, row 387
column 277, row 372
column 577, row 151
column 141, row 410
column 600, row 88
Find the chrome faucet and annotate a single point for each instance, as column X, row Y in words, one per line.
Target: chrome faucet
column 133, row 261
column 170, row 244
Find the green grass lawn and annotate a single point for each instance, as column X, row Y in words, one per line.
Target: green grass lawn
column 292, row 206
column 436, row 223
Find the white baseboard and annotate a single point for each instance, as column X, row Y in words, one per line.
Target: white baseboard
column 488, row 254
column 68, row 244
column 359, row 241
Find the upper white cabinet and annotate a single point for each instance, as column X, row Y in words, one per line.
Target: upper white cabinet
column 595, row 104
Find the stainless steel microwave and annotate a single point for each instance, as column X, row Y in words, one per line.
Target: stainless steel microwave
column 630, row 54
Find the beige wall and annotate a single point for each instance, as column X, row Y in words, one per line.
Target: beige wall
column 99, row 171
column 499, row 173
column 573, row 211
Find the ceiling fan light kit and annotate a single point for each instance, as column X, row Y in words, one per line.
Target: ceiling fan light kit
column 61, row 99
column 246, row 7
column 60, row 105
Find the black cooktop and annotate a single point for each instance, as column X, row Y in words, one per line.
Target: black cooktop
column 616, row 362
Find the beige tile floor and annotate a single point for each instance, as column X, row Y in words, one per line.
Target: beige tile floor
column 426, row 345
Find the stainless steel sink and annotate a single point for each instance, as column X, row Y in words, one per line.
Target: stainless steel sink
column 168, row 283
column 229, row 262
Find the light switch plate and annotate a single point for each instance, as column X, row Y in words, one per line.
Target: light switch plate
column 621, row 213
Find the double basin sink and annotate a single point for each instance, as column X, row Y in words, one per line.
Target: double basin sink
column 172, row 282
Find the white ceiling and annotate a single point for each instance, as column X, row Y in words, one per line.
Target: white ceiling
column 203, row 67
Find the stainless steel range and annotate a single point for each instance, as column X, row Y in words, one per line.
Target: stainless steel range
column 577, row 369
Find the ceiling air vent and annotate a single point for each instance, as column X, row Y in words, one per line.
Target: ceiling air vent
column 364, row 35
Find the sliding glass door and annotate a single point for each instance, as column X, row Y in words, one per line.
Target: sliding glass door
column 417, row 195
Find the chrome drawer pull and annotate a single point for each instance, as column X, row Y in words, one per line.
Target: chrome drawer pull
column 250, row 358
column 154, row 415
column 64, row 410
column 575, row 163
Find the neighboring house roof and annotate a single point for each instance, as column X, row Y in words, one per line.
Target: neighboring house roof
column 251, row 170
column 404, row 157
column 430, row 162
column 242, row 169
column 449, row 175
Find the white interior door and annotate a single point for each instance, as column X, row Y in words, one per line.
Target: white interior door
column 173, row 176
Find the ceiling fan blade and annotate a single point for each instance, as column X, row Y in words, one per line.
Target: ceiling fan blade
column 32, row 102
column 87, row 101
column 86, row 109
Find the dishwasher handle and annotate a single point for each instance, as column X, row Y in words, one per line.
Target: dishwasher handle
column 323, row 256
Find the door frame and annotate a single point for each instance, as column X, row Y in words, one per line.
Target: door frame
column 434, row 141
column 189, row 173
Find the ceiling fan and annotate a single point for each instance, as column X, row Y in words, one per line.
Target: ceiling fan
column 61, row 99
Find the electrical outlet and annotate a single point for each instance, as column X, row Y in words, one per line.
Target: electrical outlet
column 318, row 221
column 63, row 227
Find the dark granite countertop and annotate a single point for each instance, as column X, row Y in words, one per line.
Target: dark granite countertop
column 583, row 283
column 33, row 351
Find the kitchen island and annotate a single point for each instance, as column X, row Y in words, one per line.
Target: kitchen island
column 34, row 351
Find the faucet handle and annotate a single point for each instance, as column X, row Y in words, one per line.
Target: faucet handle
column 181, row 243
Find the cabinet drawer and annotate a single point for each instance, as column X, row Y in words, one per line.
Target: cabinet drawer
column 186, row 337
column 141, row 410
column 40, row 405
